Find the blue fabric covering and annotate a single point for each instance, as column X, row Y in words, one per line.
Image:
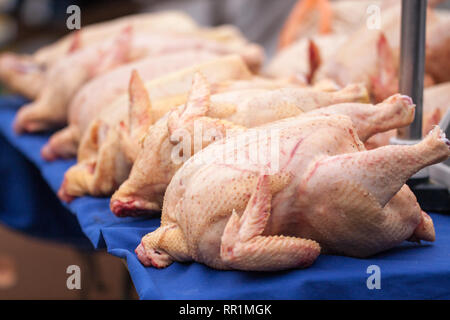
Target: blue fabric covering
column 410, row 271
column 29, row 205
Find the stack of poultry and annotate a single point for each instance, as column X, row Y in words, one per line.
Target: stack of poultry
column 251, row 170
column 359, row 41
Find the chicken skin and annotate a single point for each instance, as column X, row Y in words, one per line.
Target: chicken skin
column 319, row 191
column 213, row 115
column 106, row 149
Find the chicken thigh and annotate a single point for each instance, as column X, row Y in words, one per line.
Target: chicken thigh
column 310, row 187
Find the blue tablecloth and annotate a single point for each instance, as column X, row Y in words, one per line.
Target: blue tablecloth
column 410, row 271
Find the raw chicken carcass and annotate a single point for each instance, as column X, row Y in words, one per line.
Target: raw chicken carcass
column 66, row 77
column 102, row 91
column 25, row 73
column 377, row 60
column 378, row 54
column 169, row 21
column 102, row 163
column 330, row 53
column 63, row 80
column 155, row 164
column 319, row 190
column 375, row 64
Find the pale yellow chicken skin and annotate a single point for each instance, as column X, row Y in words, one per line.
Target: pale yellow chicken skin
column 210, row 116
column 25, row 74
column 103, row 158
column 324, row 192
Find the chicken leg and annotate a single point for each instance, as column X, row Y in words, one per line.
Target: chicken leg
column 382, row 171
column 395, row 112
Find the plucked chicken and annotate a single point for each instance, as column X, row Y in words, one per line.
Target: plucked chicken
column 25, row 73
column 378, row 47
column 64, row 79
column 102, row 91
column 319, row 191
column 50, row 110
column 377, row 61
column 103, row 163
column 155, row 164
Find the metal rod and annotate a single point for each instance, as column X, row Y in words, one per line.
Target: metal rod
column 412, row 62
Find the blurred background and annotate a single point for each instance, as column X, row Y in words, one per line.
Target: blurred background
column 32, row 268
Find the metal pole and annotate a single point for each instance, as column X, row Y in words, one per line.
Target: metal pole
column 412, row 62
